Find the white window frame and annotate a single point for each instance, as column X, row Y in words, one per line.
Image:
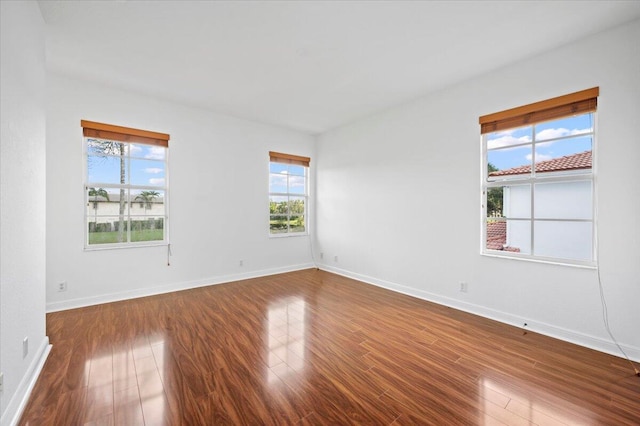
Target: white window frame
column 582, row 175
column 289, row 194
column 128, row 187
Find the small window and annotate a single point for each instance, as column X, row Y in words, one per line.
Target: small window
column 288, row 194
column 537, row 183
column 126, row 188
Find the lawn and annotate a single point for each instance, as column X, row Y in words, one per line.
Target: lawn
column 136, row 236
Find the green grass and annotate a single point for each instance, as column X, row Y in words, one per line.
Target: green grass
column 280, row 226
column 136, row 236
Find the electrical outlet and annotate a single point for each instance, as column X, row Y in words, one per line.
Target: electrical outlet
column 62, row 286
column 1, row 382
column 25, row 347
column 335, row 258
column 241, row 263
column 321, row 255
column 464, row 287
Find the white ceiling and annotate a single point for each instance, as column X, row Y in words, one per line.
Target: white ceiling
column 309, row 66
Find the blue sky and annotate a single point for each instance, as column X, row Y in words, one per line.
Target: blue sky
column 145, row 165
column 282, row 176
column 502, row 153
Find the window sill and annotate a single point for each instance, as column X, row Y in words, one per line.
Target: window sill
column 572, row 264
column 103, row 247
column 288, row 235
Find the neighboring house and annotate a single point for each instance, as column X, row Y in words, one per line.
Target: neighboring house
column 558, row 200
column 101, row 210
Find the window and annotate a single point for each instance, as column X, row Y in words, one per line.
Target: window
column 288, row 194
column 126, row 189
column 537, row 183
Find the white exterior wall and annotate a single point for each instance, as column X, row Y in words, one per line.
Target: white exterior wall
column 560, row 200
column 218, row 209
column 112, row 208
column 398, row 197
column 22, row 207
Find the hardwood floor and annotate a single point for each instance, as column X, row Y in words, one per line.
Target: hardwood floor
column 312, row 348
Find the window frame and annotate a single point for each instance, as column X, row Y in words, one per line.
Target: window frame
column 289, row 159
column 532, row 179
column 130, row 136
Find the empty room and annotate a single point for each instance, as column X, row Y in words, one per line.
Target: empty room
column 320, row 212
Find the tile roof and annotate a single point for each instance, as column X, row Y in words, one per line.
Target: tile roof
column 497, row 237
column 578, row 161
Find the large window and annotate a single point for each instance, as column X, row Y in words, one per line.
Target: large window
column 126, row 188
column 288, row 194
column 537, row 185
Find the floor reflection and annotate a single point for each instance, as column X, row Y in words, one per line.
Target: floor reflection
column 286, row 328
column 507, row 403
column 127, row 381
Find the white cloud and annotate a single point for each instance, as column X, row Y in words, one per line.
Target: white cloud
column 506, row 139
column 539, row 157
column 156, row 181
column 132, row 149
column 153, row 170
column 296, row 181
column 559, row 132
column 279, row 179
column 155, row 153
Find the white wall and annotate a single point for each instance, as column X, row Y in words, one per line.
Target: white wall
column 218, row 211
column 398, row 197
column 22, row 210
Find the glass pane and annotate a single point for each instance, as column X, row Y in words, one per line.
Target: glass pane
column 106, row 202
column 107, row 230
column 148, row 203
column 509, row 162
column 495, row 202
column 278, row 183
column 147, row 229
column 567, row 126
column 565, row 240
column 105, row 169
column 297, row 184
column 296, row 205
column 296, row 224
column 566, row 155
column 509, row 235
column 148, row 152
column 509, row 137
column 278, row 224
column 278, row 205
column 510, row 201
column 146, row 172
column 296, row 170
column 278, row 168
column 563, row 200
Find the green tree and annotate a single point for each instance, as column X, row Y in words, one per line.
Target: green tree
column 95, row 193
column 146, row 198
column 494, row 195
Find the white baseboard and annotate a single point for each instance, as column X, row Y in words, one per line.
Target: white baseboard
column 168, row 288
column 571, row 336
column 13, row 412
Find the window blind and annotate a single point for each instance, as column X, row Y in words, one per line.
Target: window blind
column 123, row 134
column 278, row 157
column 575, row 103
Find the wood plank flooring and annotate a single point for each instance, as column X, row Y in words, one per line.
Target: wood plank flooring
column 314, row 348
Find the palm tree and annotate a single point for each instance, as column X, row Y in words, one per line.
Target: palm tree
column 95, row 193
column 115, row 148
column 147, row 198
